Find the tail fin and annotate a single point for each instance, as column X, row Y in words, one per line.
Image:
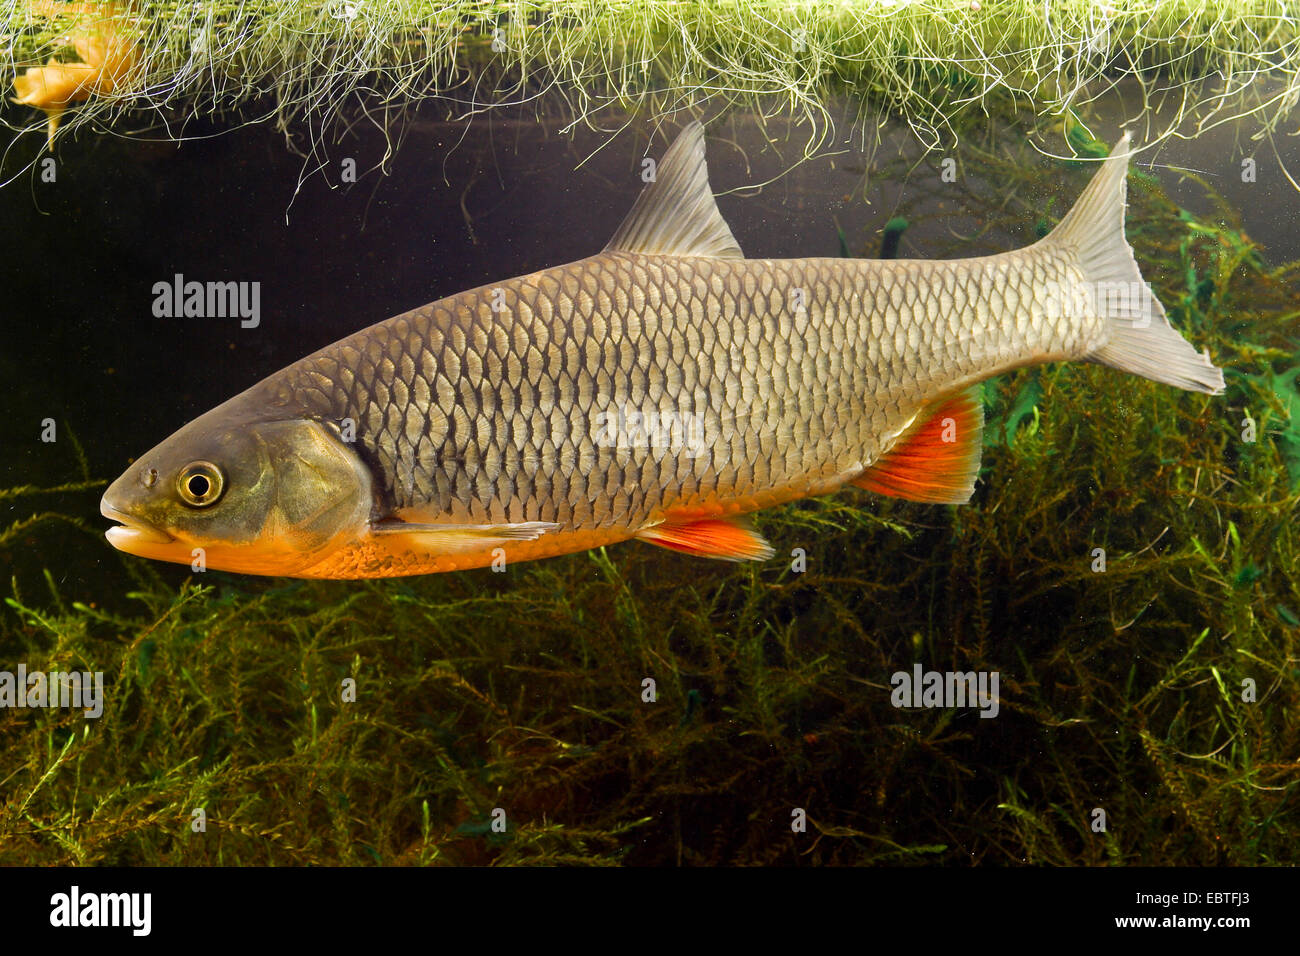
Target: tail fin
column 1141, row 339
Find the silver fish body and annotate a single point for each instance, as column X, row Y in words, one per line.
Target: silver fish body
column 667, row 386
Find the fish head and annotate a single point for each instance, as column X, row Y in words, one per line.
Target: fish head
column 257, row 496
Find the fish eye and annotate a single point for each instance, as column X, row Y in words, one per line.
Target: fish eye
column 200, row 483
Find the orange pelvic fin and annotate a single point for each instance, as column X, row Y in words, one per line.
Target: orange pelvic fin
column 731, row 539
column 937, row 460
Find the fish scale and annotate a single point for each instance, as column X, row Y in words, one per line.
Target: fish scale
column 476, row 429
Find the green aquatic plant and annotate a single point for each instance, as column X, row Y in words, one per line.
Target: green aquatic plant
column 21, row 528
column 891, row 236
column 1279, row 394
column 307, row 65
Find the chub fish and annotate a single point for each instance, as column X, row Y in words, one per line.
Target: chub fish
column 663, row 390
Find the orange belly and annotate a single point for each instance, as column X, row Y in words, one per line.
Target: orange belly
column 396, row 555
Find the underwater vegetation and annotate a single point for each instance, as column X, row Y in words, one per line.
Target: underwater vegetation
column 393, row 722
column 308, row 65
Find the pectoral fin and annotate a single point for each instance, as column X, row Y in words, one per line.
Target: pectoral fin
column 730, row 539
column 465, row 537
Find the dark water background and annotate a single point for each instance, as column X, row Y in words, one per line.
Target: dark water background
column 459, row 206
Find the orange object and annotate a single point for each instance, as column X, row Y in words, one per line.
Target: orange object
column 108, row 57
column 936, row 461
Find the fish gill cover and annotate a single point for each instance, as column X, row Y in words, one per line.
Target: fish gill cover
column 1128, row 565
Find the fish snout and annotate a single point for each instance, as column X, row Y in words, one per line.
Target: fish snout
column 132, row 532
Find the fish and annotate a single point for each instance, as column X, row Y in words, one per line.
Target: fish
column 663, row 389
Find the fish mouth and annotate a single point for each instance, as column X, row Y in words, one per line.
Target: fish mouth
column 132, row 531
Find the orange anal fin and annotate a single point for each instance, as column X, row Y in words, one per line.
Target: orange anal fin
column 731, row 538
column 937, row 460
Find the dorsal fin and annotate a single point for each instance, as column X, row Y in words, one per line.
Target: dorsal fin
column 675, row 215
